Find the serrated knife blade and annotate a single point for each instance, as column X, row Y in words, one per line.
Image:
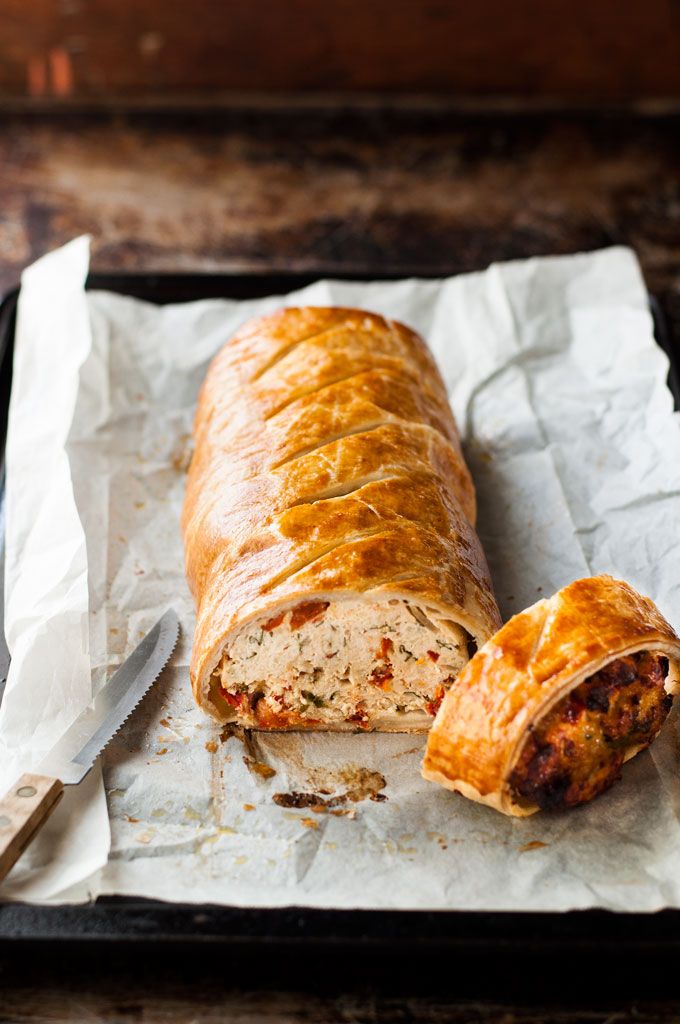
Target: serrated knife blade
column 72, row 756
column 34, row 796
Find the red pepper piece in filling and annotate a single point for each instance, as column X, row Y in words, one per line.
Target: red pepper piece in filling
column 268, row 718
column 432, row 706
column 433, row 656
column 381, row 676
column 360, row 717
column 386, row 646
column 274, row 622
column 307, row 612
column 237, row 700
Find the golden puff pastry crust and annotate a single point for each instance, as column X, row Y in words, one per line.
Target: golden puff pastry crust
column 563, row 694
column 329, row 524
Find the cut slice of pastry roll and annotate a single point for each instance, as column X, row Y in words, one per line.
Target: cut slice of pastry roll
column 329, row 529
column 549, row 709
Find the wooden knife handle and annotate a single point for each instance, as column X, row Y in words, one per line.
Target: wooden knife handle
column 23, row 811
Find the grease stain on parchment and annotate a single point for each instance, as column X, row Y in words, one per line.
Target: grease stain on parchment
column 361, row 783
column 322, row 790
column 253, row 758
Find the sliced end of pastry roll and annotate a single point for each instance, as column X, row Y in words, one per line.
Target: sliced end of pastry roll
column 549, row 709
column 328, row 528
column 371, row 661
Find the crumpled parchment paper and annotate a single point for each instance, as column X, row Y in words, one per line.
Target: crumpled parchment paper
column 559, row 390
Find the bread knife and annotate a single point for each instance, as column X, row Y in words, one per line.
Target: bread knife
column 31, row 800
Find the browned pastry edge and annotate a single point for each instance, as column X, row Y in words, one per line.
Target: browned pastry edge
column 536, row 659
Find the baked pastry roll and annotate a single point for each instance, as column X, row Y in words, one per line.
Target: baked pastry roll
column 548, row 710
column 329, row 529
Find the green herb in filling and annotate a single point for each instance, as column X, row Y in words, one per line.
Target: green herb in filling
column 312, row 698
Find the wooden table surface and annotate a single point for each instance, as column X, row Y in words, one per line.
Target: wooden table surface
column 424, row 189
column 58, row 988
column 413, row 189
column 59, row 1005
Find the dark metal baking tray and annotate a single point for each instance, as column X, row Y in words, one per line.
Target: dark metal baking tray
column 434, row 950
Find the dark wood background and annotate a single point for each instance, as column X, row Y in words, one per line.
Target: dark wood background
column 104, row 50
column 425, row 190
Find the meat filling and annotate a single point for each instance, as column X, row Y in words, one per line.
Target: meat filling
column 577, row 750
column 346, row 661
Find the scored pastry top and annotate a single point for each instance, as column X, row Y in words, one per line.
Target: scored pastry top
column 327, row 462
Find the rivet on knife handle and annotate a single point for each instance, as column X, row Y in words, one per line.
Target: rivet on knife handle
column 23, row 811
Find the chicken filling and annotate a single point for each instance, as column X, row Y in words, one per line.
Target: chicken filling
column 577, row 750
column 349, row 661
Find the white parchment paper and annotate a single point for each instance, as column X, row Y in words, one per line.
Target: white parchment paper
column 559, row 390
